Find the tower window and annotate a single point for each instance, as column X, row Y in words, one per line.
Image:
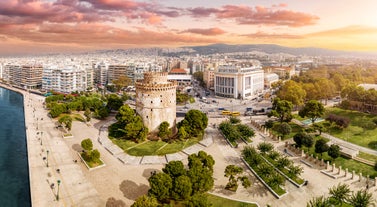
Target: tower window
column 151, row 101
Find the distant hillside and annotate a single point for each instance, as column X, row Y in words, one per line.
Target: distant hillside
column 271, row 49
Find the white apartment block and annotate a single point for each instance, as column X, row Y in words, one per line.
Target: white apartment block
column 66, row 79
column 233, row 81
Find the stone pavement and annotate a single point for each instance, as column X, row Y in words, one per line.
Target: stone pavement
column 46, row 147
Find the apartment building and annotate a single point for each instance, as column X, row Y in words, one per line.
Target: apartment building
column 66, row 79
column 209, row 78
column 234, row 81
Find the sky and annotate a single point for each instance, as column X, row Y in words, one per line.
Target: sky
column 50, row 26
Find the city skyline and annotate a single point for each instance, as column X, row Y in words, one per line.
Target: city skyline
column 49, row 26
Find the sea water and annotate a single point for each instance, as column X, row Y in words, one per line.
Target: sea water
column 14, row 170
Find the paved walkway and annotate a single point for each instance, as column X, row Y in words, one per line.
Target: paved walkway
column 50, row 160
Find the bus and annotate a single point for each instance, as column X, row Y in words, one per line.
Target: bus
column 235, row 113
column 226, row 112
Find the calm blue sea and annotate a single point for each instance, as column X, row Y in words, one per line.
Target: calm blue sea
column 14, row 170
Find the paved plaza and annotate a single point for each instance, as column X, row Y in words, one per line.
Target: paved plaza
column 124, row 177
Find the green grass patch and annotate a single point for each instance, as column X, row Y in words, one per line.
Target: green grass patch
column 220, row 202
column 177, row 146
column 367, row 156
column 153, row 147
column 122, row 143
column 355, row 133
column 146, row 148
column 356, row 166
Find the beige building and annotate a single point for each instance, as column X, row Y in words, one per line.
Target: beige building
column 209, row 78
column 156, row 100
column 115, row 71
column 25, row 76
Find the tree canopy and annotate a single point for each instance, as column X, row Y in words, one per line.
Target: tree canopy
column 312, row 109
column 281, row 109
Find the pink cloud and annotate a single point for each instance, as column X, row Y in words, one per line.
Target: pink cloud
column 258, row 15
column 97, row 34
column 207, row 32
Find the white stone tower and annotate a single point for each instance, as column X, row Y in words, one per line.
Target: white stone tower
column 156, row 100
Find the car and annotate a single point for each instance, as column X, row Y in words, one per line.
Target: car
column 249, row 113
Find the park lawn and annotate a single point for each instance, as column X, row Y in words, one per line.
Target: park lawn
column 354, row 133
column 220, row 202
column 356, row 166
column 367, row 156
column 177, row 146
column 153, row 147
column 123, row 143
column 146, row 148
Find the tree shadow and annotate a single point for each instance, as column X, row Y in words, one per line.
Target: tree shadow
column 77, row 147
column 131, row 190
column 372, row 145
column 148, row 172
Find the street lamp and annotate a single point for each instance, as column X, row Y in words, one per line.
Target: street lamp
column 57, row 194
column 47, row 157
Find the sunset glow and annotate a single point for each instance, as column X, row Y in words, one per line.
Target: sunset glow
column 40, row 26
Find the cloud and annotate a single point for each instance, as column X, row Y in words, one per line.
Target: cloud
column 263, row 35
column 98, row 34
column 257, row 15
column 207, row 32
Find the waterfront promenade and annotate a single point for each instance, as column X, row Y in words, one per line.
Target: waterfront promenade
column 81, row 187
column 45, row 146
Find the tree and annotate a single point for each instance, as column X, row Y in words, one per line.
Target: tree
column 283, row 162
column 234, row 120
column 282, row 110
column 269, row 124
column 163, row 130
column 293, row 92
column 265, row 147
column 198, row 200
column 174, row 169
column 160, row 186
column 334, row 151
column 284, row 129
column 87, row 144
column 321, row 146
column 121, row 82
column 312, row 109
column 361, row 198
column 145, row 201
column 375, row 166
column 319, row 202
column 87, row 114
column 114, row 102
column 294, row 170
column 95, row 155
column 303, row 138
column 67, row 121
column 232, row 171
column 195, row 122
column 125, row 114
column 182, row 134
column 201, row 172
column 182, row 188
column 245, row 131
column 340, row 193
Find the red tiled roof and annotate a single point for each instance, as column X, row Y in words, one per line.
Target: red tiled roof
column 178, row 70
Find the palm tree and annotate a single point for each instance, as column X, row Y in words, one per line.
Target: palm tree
column 318, row 202
column 283, row 162
column 340, row 193
column 360, row 199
